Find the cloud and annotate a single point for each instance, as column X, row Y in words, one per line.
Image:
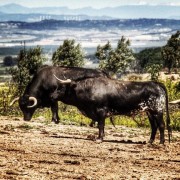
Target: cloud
column 142, row 3
column 174, row 4
column 157, row 2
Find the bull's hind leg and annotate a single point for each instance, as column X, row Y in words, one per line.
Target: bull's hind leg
column 153, row 127
column 161, row 126
column 156, row 121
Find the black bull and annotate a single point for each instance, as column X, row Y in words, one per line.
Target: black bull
column 101, row 97
column 38, row 91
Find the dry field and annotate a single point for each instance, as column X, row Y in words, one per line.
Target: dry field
column 40, row 151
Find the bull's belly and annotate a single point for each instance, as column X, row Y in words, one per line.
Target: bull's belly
column 123, row 111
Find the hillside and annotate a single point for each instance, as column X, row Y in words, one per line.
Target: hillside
column 37, row 150
column 101, row 24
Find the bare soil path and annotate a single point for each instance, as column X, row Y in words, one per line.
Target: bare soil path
column 36, row 150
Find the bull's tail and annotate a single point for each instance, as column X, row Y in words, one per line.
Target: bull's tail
column 168, row 122
column 112, row 121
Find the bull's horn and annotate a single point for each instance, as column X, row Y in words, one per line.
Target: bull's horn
column 13, row 101
column 175, row 102
column 34, row 100
column 67, row 81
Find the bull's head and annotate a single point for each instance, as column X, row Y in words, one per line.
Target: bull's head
column 27, row 105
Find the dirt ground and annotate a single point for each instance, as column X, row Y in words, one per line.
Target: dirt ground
column 37, row 150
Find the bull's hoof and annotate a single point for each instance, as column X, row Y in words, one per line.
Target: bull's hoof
column 151, row 141
column 99, row 141
column 162, row 146
column 55, row 121
column 162, row 142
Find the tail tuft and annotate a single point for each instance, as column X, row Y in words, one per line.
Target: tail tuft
column 169, row 133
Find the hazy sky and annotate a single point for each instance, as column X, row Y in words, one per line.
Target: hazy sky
column 91, row 3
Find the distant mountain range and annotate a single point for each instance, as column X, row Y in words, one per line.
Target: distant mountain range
column 17, row 12
column 166, row 25
column 34, row 17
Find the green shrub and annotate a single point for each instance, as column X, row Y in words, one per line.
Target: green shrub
column 175, row 120
column 173, row 89
column 6, row 92
column 154, row 70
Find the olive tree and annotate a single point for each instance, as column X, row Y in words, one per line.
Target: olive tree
column 69, row 54
column 28, row 62
column 171, row 52
column 115, row 60
column 148, row 57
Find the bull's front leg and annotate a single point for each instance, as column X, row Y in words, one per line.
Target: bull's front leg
column 101, row 125
column 54, row 110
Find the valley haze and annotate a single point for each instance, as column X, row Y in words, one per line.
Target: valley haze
column 118, row 12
